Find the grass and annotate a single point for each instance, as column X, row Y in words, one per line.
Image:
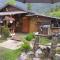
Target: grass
column 7, row 54
column 2, row 40
column 44, row 40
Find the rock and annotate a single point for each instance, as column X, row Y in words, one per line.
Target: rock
column 23, row 56
column 36, row 58
column 38, row 53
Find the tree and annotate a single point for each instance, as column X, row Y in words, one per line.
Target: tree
column 55, row 11
column 29, row 6
column 11, row 2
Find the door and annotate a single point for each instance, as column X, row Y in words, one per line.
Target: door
column 25, row 26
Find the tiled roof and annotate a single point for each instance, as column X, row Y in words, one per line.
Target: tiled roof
column 43, row 8
column 40, row 1
column 19, row 5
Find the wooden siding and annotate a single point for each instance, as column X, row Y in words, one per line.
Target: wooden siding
column 55, row 30
column 34, row 24
column 33, row 27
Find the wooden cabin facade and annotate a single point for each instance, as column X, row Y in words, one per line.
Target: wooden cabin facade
column 20, row 23
column 45, row 25
column 26, row 24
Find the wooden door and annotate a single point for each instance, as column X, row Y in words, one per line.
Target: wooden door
column 25, row 26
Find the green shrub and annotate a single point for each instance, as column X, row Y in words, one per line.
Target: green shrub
column 5, row 32
column 30, row 36
column 25, row 47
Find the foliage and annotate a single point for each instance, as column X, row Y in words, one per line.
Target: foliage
column 7, row 54
column 55, row 11
column 30, row 36
column 25, row 47
column 29, row 6
column 5, row 32
column 11, row 2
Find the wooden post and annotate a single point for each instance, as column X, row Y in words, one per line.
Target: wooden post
column 36, row 44
column 0, row 30
column 53, row 46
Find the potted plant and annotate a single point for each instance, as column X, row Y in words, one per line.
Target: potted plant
column 30, row 36
column 25, row 47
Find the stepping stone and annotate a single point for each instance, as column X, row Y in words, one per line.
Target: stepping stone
column 11, row 44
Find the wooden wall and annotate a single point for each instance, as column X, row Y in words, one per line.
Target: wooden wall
column 55, row 30
column 33, row 26
column 33, row 23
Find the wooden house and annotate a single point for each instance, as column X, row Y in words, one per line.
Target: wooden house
column 23, row 23
column 14, row 14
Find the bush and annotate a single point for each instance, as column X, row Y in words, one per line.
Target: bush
column 25, row 47
column 5, row 32
column 30, row 36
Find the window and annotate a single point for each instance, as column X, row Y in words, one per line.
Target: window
column 55, row 23
column 43, row 27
